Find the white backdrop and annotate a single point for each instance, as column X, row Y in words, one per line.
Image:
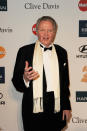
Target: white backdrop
column 16, row 31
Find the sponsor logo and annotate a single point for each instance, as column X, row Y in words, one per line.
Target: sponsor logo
column 2, row 74
column 34, row 29
column 6, row 30
column 2, row 102
column 84, row 78
column 83, row 28
column 2, row 52
column 83, row 52
column 81, row 96
column 1, row 95
column 82, row 5
column 78, row 120
column 83, row 49
column 3, row 5
column 40, row 6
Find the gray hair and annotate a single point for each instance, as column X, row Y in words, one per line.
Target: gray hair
column 47, row 18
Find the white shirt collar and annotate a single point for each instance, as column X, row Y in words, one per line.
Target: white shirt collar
column 45, row 46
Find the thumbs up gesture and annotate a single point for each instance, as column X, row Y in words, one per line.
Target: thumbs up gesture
column 29, row 73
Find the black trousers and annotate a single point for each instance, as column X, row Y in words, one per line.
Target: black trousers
column 45, row 121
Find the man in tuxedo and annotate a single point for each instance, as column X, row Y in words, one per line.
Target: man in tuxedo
column 41, row 73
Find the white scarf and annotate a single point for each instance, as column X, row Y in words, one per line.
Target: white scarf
column 38, row 83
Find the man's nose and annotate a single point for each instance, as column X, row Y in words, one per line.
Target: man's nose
column 46, row 32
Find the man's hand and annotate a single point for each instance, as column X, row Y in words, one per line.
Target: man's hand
column 29, row 73
column 67, row 114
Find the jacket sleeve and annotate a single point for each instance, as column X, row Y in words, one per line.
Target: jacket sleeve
column 65, row 100
column 18, row 72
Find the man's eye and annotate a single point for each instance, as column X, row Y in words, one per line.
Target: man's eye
column 42, row 30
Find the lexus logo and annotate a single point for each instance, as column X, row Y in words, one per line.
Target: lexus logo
column 83, row 49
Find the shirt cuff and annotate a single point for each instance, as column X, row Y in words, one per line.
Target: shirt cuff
column 26, row 83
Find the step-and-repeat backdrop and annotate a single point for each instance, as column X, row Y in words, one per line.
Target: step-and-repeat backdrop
column 17, row 28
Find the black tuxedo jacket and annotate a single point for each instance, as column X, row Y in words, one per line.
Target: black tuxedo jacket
column 25, row 53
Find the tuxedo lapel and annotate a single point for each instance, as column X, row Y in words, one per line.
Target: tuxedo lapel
column 61, row 54
column 60, row 60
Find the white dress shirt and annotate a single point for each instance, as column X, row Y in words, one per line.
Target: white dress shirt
column 47, row 60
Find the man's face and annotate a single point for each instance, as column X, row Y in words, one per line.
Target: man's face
column 46, row 33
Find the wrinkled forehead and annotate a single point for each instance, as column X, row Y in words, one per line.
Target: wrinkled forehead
column 47, row 21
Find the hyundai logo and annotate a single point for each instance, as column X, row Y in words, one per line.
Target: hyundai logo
column 83, row 49
column 1, row 95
